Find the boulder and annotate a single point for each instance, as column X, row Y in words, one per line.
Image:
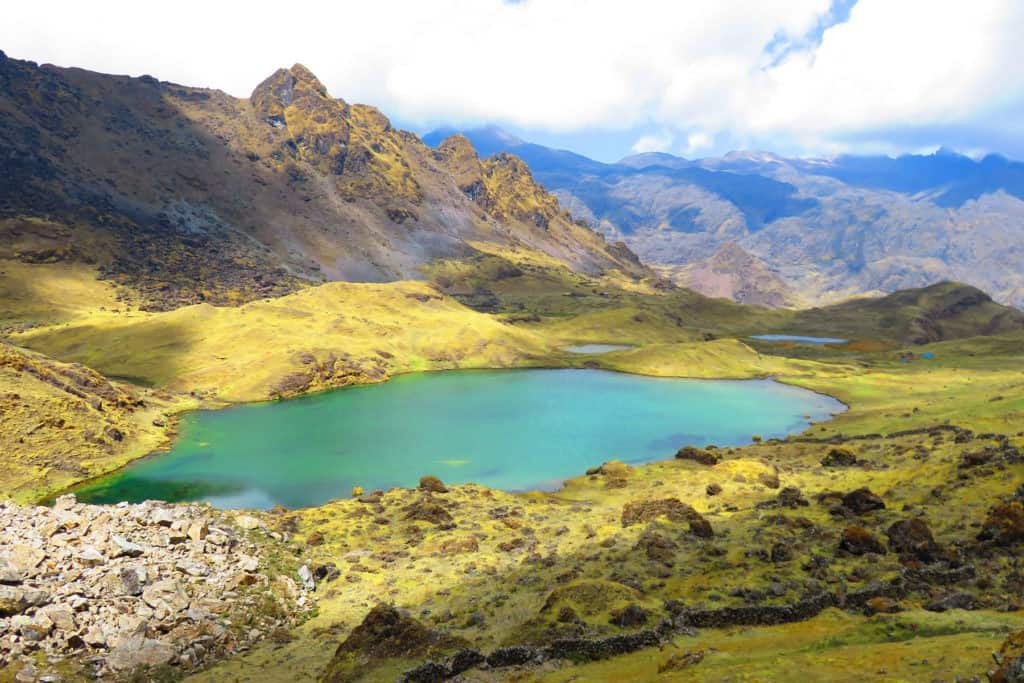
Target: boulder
column 326, row 572
column 839, row 457
column 1005, row 524
column 862, row 501
column 161, row 517
column 672, row 509
column 464, row 660
column 630, row 616
column 681, row 660
column 12, row 601
column 882, row 605
column 657, row 547
column 384, row 633
column 198, row 530
column 132, row 580
column 1009, row 660
column 90, row 556
column 792, row 497
column 426, row 509
column 953, row 601
column 137, row 652
column 913, row 538
column 859, row 541
column 248, row 522
column 168, row 594
column 19, row 561
column 514, row 655
column 432, row 484
column 306, row 578
column 122, row 547
column 698, row 455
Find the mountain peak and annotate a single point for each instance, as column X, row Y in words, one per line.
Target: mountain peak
column 456, row 144
column 302, row 74
column 285, row 86
column 944, row 151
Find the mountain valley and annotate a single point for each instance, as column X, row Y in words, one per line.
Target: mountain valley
column 166, row 249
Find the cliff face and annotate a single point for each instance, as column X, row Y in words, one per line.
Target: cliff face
column 733, row 273
column 185, row 195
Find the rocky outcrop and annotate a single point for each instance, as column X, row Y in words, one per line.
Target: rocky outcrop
column 1005, row 524
column 862, row 501
column 698, row 455
column 670, row 508
column 384, row 633
column 1009, row 660
column 132, row 588
column 733, row 273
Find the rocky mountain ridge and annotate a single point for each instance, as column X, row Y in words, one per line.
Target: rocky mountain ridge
column 185, row 195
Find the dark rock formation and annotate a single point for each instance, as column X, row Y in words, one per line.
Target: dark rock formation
column 859, row 541
column 698, row 455
column 671, row 508
column 862, row 501
column 839, row 457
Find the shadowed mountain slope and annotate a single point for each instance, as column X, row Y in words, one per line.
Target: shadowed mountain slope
column 187, row 195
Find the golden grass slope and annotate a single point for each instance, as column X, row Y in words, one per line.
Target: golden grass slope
column 61, row 423
column 50, row 293
column 332, row 335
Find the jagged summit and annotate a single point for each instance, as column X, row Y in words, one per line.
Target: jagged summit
column 281, row 88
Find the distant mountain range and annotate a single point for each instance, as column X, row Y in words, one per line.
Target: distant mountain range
column 812, row 230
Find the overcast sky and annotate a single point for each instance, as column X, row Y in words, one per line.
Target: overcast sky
column 601, row 77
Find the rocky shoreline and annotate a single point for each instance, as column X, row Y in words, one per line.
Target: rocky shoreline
column 115, row 591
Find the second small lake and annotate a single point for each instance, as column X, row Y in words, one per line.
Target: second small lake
column 798, row 339
column 507, row 429
column 598, row 348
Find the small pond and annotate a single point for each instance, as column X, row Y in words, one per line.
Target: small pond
column 508, row 429
column 597, row 348
column 799, row 339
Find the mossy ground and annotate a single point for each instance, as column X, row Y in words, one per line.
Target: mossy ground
column 488, row 578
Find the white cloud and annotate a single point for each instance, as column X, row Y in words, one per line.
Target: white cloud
column 564, row 65
column 657, row 142
column 698, row 142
